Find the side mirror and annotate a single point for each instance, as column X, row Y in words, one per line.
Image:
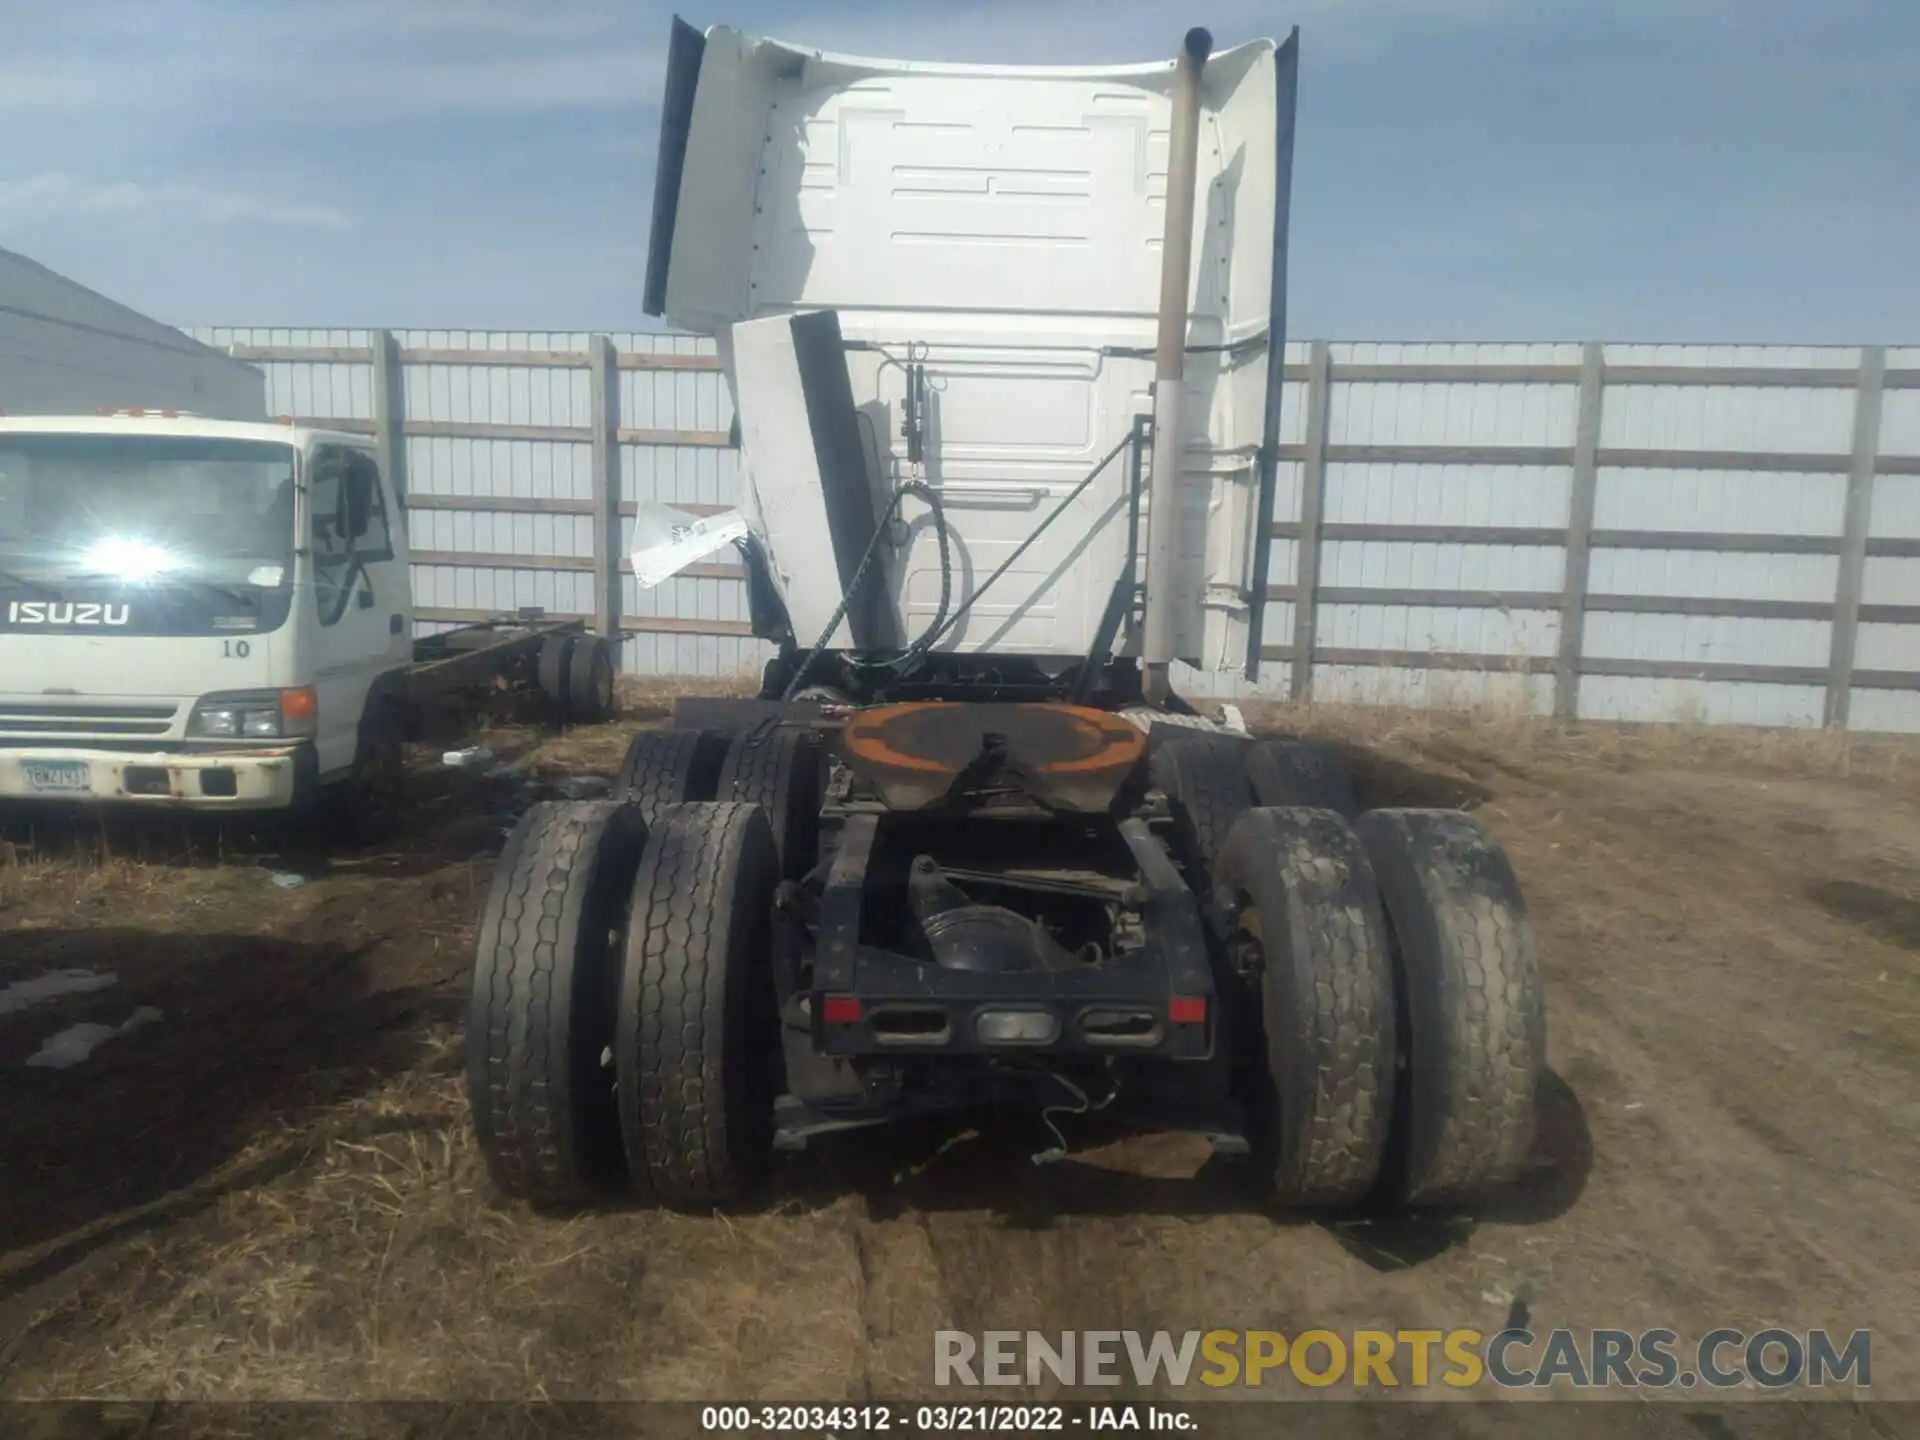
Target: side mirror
column 356, row 500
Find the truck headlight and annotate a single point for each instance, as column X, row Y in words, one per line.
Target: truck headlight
column 215, row 720
column 255, row 715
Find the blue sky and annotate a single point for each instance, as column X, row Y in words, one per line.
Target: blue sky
column 1467, row 169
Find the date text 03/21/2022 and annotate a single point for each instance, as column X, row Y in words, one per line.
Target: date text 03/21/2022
column 941, row 1419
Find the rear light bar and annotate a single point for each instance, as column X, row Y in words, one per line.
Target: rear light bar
column 901, row 1023
column 841, row 1010
column 1187, row 1010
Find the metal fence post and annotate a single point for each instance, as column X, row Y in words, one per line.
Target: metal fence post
column 390, row 410
column 1579, row 551
column 1313, row 500
column 1853, row 535
column 604, row 387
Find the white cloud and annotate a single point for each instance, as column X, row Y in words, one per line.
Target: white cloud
column 578, row 20
column 192, row 63
column 49, row 83
column 401, row 89
column 55, row 196
column 236, row 116
column 205, row 64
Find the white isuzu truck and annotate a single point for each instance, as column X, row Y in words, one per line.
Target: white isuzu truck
column 218, row 615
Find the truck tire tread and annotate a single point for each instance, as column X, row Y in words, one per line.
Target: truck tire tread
column 539, row 1018
column 670, row 767
column 693, row 1116
column 1299, row 773
column 778, row 768
column 1327, row 1003
column 1474, row 1015
column 551, row 671
column 591, row 699
column 1207, row 792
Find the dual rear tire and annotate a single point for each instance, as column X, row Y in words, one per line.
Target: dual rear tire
column 575, row 676
column 1210, row 782
column 1387, row 964
column 778, row 768
column 621, row 1032
column 1399, row 1003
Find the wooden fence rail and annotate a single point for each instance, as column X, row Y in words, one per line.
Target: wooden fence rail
column 1580, row 539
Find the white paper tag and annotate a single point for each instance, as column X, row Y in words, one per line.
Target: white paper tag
column 666, row 540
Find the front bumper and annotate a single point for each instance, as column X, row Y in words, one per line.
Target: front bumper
column 266, row 778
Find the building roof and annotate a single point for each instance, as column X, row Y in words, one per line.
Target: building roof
column 30, row 291
column 176, row 423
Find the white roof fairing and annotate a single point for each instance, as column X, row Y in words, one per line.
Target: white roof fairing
column 833, row 66
column 1005, row 225
column 771, row 118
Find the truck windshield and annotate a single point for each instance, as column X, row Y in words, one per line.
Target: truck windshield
column 146, row 508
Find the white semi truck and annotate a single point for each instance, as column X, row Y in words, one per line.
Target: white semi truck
column 968, row 851
column 217, row 615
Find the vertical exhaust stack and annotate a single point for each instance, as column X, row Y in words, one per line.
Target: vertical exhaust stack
column 1169, row 376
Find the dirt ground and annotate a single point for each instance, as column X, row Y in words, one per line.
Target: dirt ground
column 270, row 1191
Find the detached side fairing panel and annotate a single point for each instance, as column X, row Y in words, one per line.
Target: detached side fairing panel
column 1002, row 227
column 814, row 505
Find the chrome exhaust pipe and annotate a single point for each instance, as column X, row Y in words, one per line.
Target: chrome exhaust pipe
column 1169, row 375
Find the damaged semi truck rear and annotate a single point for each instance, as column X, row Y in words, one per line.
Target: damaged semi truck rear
column 1005, row 344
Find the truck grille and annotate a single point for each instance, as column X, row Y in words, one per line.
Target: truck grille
column 22, row 718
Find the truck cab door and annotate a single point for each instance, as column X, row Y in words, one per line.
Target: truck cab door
column 360, row 608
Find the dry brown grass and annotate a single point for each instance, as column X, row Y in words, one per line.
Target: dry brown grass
column 1512, row 732
column 90, row 878
column 1505, row 712
column 375, row 1260
column 640, row 691
column 645, row 702
column 349, row 1243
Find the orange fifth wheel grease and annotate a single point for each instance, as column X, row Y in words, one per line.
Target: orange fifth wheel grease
column 1090, row 740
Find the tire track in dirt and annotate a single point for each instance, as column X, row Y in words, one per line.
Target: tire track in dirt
column 1733, row 1117
column 1711, row 1198
column 904, row 1302
column 1693, row 995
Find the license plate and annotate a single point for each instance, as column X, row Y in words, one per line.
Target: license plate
column 56, row 774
